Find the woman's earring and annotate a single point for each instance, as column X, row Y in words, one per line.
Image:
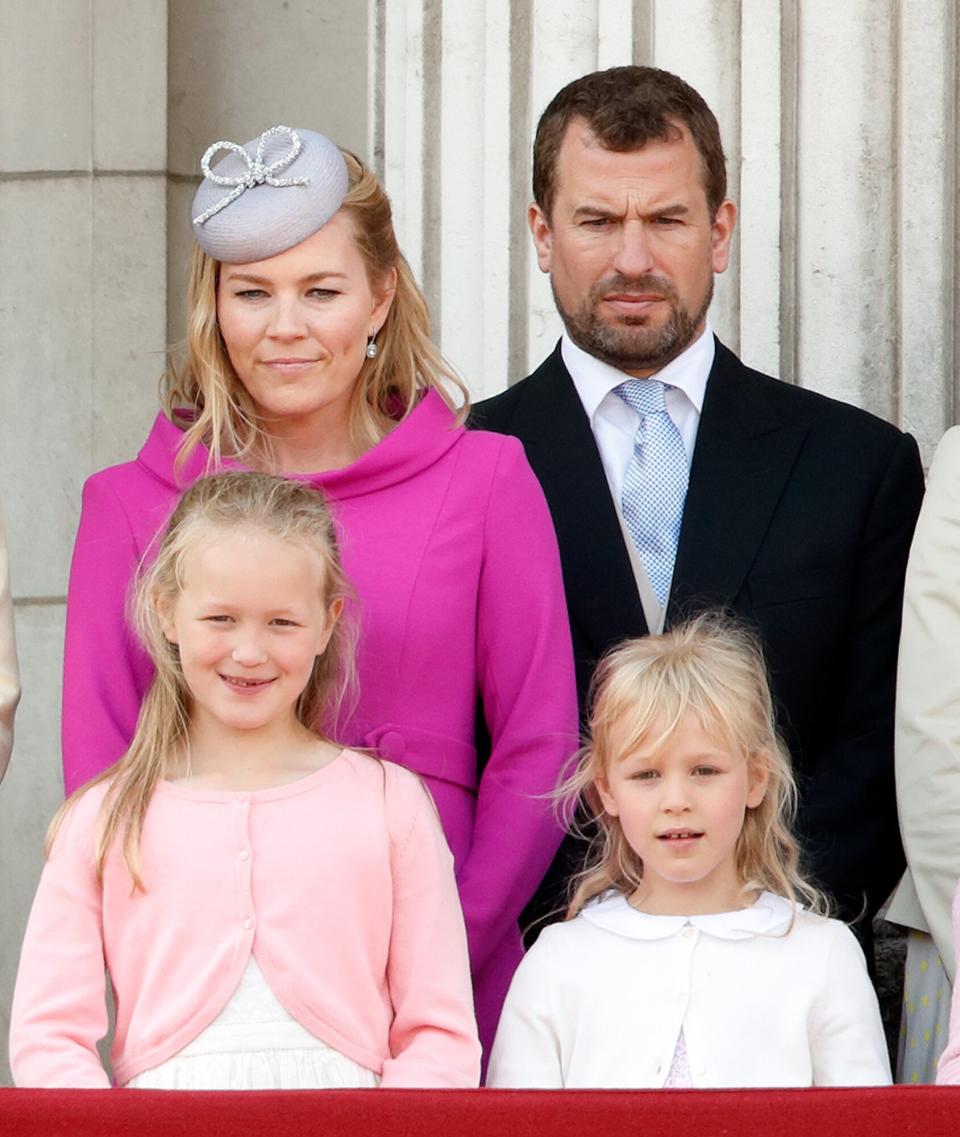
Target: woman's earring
column 371, row 348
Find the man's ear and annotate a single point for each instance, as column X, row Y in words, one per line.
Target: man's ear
column 542, row 237
column 721, row 234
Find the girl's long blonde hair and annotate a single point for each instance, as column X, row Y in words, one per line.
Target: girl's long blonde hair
column 288, row 510
column 208, row 400
column 713, row 668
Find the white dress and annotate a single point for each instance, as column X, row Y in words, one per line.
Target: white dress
column 254, row 1044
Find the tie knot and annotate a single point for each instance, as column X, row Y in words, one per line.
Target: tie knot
column 646, row 396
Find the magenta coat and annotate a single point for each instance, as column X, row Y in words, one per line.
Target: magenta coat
column 449, row 545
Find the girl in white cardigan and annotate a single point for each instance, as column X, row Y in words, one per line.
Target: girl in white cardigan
column 687, row 958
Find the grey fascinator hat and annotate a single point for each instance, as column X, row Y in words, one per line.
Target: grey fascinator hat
column 267, row 195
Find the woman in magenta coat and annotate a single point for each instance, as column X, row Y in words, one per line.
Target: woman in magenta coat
column 308, row 354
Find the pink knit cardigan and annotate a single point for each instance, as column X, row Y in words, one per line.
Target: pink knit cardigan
column 340, row 884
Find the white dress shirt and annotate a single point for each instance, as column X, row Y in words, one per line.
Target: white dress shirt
column 599, row 1002
column 614, row 423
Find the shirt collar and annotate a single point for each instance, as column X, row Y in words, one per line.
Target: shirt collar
column 613, row 913
column 594, row 379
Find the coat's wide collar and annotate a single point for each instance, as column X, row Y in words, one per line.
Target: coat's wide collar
column 414, row 444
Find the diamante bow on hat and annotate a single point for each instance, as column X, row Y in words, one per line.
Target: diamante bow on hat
column 257, row 173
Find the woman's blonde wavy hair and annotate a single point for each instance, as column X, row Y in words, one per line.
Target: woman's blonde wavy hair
column 234, row 502
column 205, row 395
column 713, row 668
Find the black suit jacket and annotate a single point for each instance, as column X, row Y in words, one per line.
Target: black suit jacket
column 799, row 516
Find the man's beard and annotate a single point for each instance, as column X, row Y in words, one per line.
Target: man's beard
column 632, row 343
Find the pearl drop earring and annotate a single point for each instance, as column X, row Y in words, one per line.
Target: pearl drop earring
column 371, row 348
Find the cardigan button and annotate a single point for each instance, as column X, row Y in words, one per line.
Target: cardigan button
column 244, row 854
column 392, row 746
column 248, row 924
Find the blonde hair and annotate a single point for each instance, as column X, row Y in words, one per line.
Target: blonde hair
column 288, row 510
column 207, row 398
column 713, row 668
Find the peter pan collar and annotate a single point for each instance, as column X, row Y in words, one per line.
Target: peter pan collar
column 769, row 915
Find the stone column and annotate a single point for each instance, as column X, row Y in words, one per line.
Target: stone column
column 840, row 126
column 83, row 142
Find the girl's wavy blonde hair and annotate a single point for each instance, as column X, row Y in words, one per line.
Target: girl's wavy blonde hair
column 713, row 668
column 206, row 397
column 233, row 502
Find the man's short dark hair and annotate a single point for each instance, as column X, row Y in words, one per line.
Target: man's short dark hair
column 625, row 108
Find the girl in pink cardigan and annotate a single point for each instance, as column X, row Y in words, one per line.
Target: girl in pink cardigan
column 274, row 911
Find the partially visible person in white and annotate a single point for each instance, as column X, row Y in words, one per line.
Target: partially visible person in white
column 948, row 1067
column 928, row 765
column 688, row 958
column 9, row 671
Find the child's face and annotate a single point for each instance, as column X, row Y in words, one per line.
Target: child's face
column 249, row 623
column 681, row 809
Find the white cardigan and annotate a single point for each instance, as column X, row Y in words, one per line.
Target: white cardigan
column 599, row 1002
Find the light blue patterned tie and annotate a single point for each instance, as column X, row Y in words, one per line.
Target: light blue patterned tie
column 655, row 485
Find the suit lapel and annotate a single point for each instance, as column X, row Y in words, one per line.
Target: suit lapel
column 553, row 426
column 742, row 460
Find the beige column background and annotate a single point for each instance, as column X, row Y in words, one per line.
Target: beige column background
column 839, row 119
column 82, row 317
column 841, row 126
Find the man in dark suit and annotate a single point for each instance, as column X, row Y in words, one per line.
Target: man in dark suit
column 729, row 489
